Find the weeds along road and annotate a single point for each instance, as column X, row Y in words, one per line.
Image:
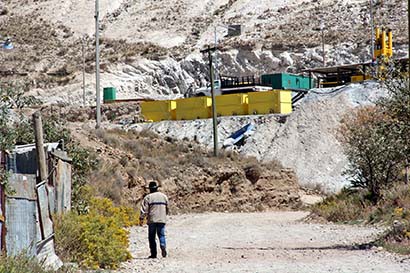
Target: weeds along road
column 262, row 242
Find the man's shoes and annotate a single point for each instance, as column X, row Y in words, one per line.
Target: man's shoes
column 152, row 257
column 163, row 251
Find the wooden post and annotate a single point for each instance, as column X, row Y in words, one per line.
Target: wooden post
column 209, row 50
column 42, row 169
column 41, row 155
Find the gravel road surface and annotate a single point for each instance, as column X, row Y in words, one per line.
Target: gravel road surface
column 262, row 242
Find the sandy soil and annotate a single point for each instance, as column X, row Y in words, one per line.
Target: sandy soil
column 262, row 242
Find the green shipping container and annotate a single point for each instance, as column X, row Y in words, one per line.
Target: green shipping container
column 287, row 81
column 110, row 94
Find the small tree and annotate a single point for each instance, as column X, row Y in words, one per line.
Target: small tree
column 11, row 97
column 397, row 104
column 372, row 148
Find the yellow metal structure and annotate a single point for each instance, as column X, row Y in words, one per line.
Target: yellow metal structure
column 193, row 108
column 159, row 110
column 272, row 102
column 231, row 105
column 360, row 78
column 384, row 44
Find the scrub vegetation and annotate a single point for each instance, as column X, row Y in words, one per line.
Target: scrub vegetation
column 377, row 144
column 93, row 234
column 96, row 239
column 22, row 263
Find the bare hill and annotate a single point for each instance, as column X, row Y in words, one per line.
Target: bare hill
column 194, row 180
column 151, row 48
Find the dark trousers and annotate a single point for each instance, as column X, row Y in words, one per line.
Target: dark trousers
column 159, row 230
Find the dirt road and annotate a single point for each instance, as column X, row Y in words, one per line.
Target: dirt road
column 262, row 242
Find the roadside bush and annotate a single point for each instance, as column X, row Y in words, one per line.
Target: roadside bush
column 108, row 182
column 96, row 239
column 24, row 264
column 354, row 205
column 21, row 264
column 348, row 205
column 84, row 161
column 398, row 107
column 373, row 149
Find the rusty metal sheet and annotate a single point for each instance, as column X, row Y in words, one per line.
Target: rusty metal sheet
column 20, row 214
column 46, row 253
column 61, row 155
column 63, row 187
column 21, row 226
column 23, row 186
column 1, row 237
column 2, row 207
column 2, row 204
column 52, row 199
column 44, row 212
column 2, row 219
column 45, row 249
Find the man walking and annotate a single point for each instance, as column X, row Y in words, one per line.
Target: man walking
column 155, row 208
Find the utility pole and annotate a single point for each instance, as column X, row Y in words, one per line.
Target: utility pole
column 97, row 64
column 216, row 55
column 322, row 28
column 209, row 50
column 83, row 54
column 372, row 31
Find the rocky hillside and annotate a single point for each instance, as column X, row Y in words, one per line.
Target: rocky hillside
column 151, row 48
column 193, row 179
column 304, row 141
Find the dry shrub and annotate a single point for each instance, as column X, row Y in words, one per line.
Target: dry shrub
column 108, row 182
column 22, row 263
column 346, row 206
column 354, row 205
column 373, row 149
column 96, row 239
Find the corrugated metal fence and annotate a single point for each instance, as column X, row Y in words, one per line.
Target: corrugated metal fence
column 26, row 209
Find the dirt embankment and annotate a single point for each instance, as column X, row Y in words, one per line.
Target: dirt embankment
column 193, row 179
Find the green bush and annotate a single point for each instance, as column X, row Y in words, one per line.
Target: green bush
column 96, row 239
column 348, row 205
column 373, row 150
column 23, row 264
column 84, row 161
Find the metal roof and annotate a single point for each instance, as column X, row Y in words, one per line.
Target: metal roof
column 345, row 67
column 336, row 69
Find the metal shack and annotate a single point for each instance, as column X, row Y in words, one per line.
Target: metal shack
column 27, row 205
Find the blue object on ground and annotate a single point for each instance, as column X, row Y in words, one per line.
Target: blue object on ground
column 239, row 135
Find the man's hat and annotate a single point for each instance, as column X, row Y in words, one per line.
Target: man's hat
column 153, row 185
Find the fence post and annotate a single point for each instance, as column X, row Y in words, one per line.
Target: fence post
column 41, row 155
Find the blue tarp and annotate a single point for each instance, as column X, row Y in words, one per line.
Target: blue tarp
column 239, row 135
column 9, row 46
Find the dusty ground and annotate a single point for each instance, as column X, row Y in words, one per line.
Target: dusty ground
column 262, row 242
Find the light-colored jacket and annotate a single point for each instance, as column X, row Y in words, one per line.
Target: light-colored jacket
column 155, row 208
